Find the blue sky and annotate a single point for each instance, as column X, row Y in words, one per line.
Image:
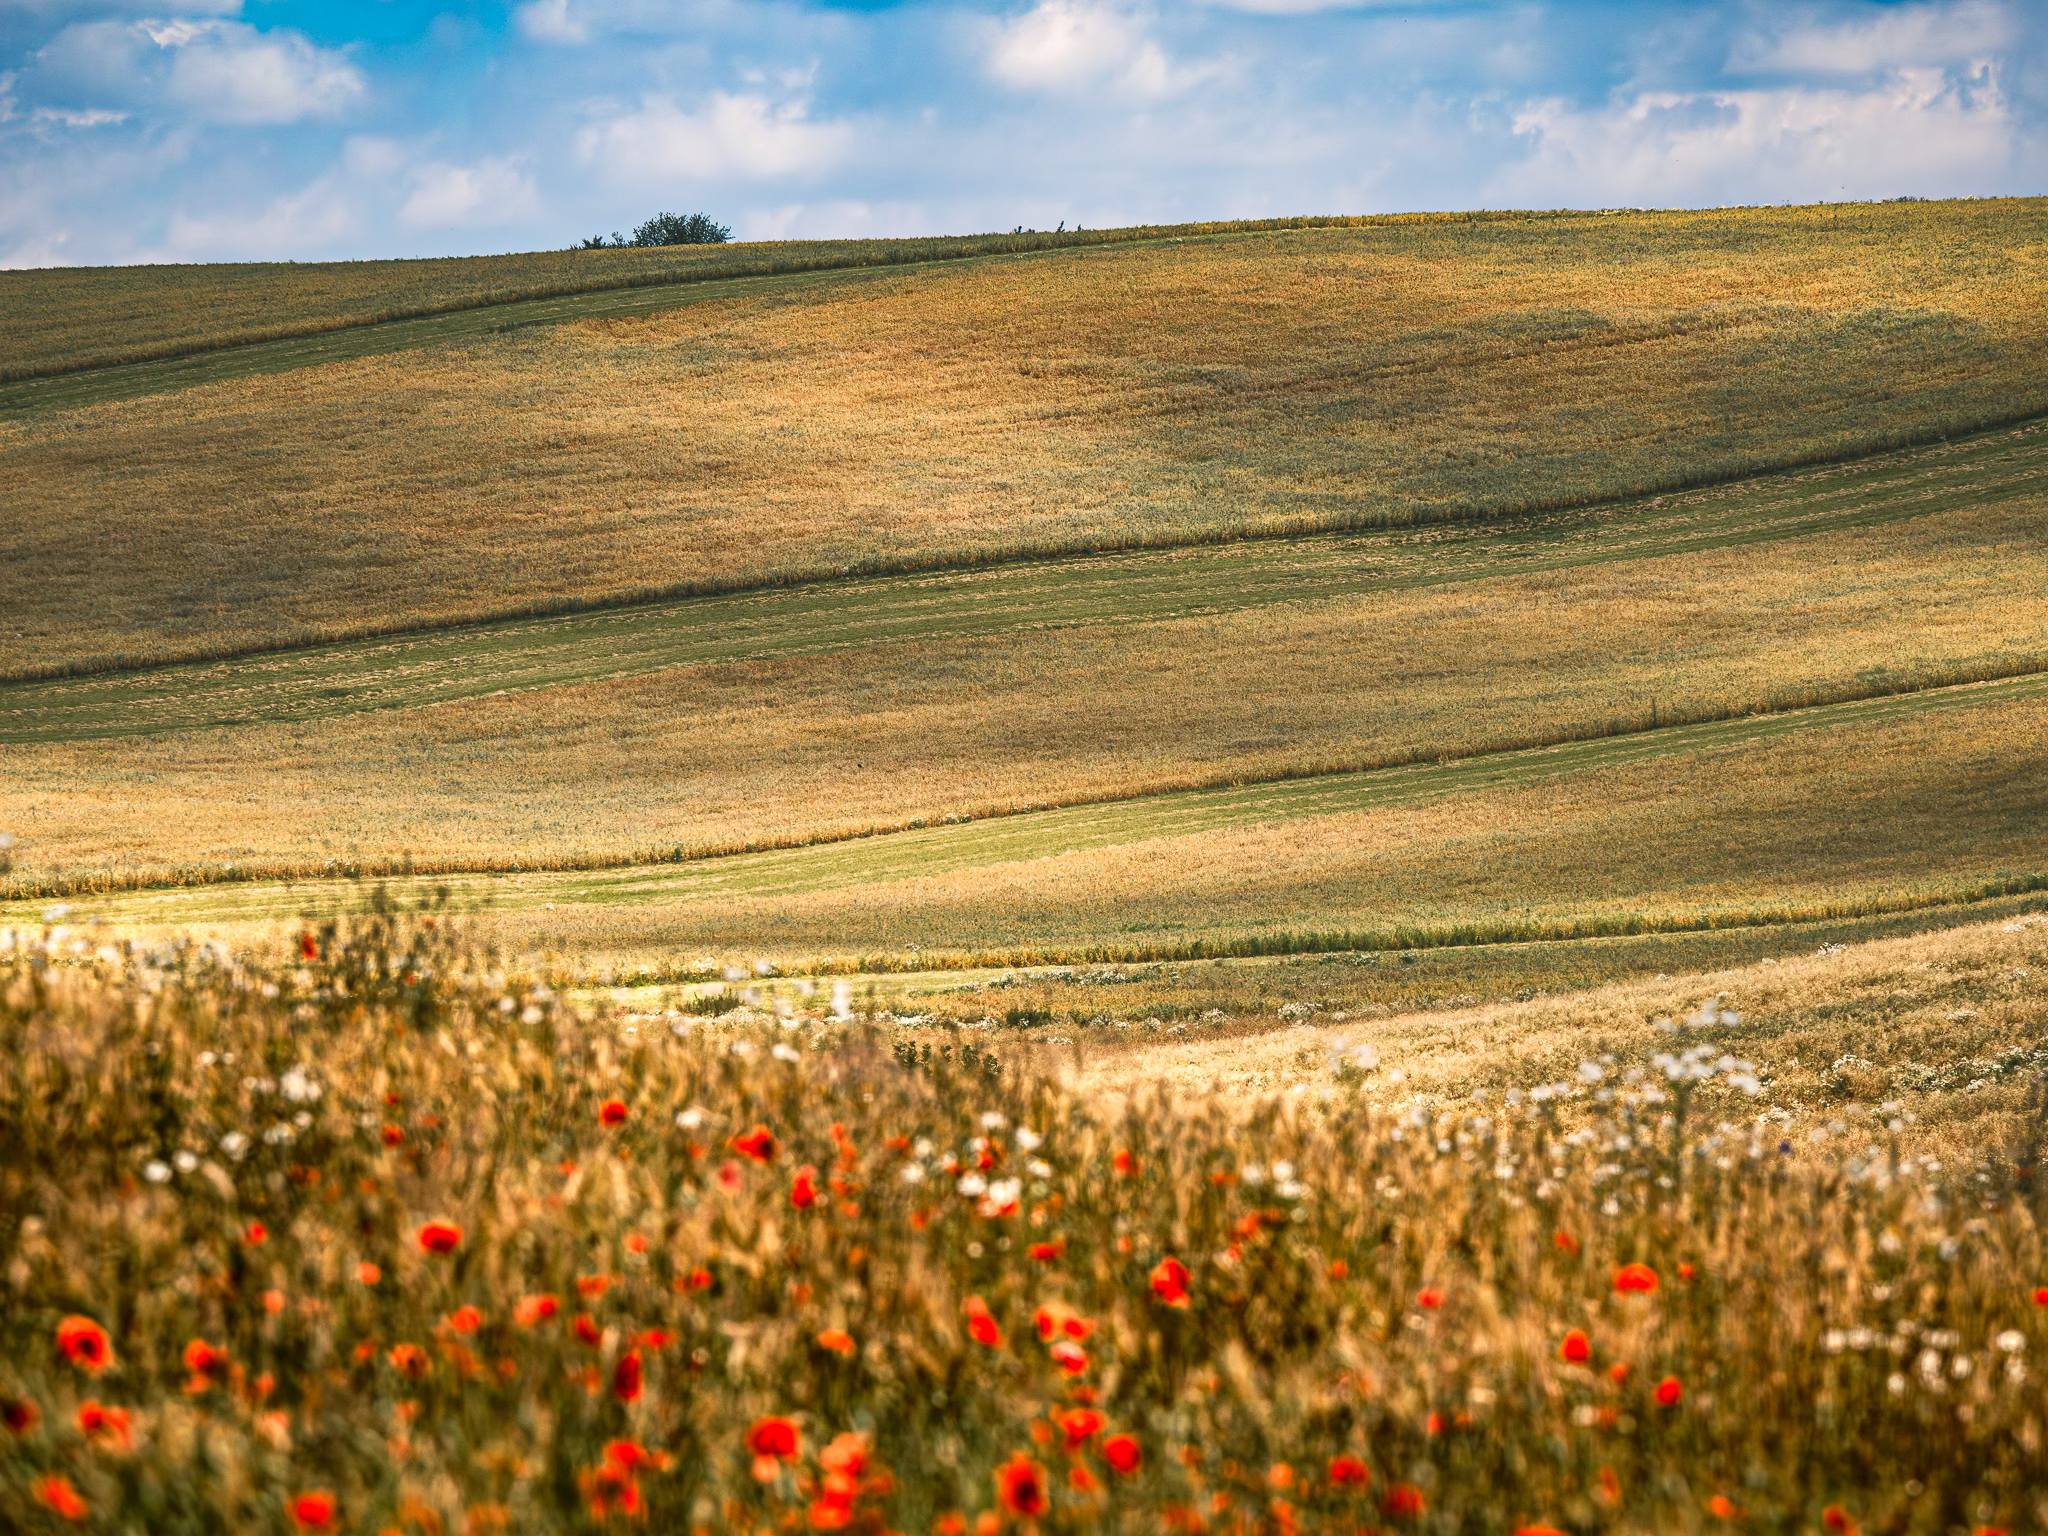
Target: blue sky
column 154, row 130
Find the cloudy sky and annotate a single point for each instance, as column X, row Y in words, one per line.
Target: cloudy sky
column 202, row 130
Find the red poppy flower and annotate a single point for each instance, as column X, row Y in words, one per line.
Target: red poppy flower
column 535, row 1310
column 204, row 1359
column 1637, row 1279
column 1669, row 1391
column 611, row 1112
column 837, row 1341
column 803, row 1189
column 84, row 1343
column 846, row 1455
column 440, row 1237
column 1048, row 1253
column 1429, row 1298
column 1069, row 1356
column 1170, row 1281
column 1054, row 1319
column 1349, row 1472
column 981, row 1323
column 626, row 1377
column 587, row 1330
column 1564, row 1242
column 392, row 1135
column 1020, row 1486
column 628, row 1454
column 465, row 1319
column 104, row 1426
column 1403, row 1499
column 775, row 1436
column 409, row 1360
column 2041, row 1295
column 56, row 1494
column 1080, row 1425
column 759, row 1144
column 1538, row 1530
column 18, row 1414
column 1836, row 1519
column 314, row 1511
column 1576, row 1349
column 1125, row 1162
column 309, row 947
column 1721, row 1507
column 368, row 1273
column 1122, row 1453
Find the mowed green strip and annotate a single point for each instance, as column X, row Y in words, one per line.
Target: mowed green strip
column 947, row 849
column 410, row 671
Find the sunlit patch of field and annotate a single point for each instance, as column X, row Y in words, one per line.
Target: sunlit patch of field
column 1950, row 1025
column 1835, row 811
column 1309, row 380
column 935, row 698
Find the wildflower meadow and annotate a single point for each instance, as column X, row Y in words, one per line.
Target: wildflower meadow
column 383, row 1234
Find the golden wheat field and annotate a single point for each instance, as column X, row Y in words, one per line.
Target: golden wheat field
column 1310, row 379
column 1359, row 876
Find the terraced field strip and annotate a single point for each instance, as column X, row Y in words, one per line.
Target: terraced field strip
column 936, row 850
column 430, row 667
column 235, row 360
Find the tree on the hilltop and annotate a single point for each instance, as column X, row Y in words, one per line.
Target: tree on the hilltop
column 668, row 229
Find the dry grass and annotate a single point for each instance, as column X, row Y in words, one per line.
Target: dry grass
column 1948, row 1025
column 1319, row 378
column 934, row 1289
column 819, row 746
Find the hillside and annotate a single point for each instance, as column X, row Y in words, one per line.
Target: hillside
column 1263, row 878
column 1085, row 399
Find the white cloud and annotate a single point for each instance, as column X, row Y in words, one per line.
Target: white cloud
column 1921, row 131
column 1899, row 37
column 234, row 74
column 468, row 196
column 733, row 134
column 550, row 21
column 65, row 117
column 217, row 71
column 71, row 10
column 36, row 251
column 1299, row 7
column 304, row 223
column 1086, row 45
